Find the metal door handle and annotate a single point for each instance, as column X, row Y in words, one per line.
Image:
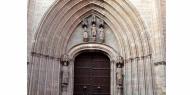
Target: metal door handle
column 98, row 87
column 84, row 87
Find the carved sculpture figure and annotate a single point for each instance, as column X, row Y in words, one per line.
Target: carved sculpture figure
column 119, row 79
column 96, row 34
column 93, row 32
column 101, row 34
column 93, row 29
column 65, row 74
column 65, row 70
column 119, row 75
column 85, row 35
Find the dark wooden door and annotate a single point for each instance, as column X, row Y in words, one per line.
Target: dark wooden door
column 92, row 74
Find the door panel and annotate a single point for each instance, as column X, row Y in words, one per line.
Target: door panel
column 92, row 74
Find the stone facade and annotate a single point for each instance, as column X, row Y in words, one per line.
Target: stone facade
column 134, row 29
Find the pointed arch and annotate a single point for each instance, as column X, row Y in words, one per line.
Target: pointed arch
column 58, row 24
column 126, row 24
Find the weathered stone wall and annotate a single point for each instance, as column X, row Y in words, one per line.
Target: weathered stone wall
column 151, row 12
column 36, row 11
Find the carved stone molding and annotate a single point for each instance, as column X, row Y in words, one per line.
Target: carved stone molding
column 44, row 55
column 138, row 58
column 109, row 51
column 160, row 63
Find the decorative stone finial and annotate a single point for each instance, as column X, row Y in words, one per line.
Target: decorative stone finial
column 84, row 23
column 101, row 23
column 93, row 19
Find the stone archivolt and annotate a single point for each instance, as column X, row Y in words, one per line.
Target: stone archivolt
column 124, row 24
column 59, row 23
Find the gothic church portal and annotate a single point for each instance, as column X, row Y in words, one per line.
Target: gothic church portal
column 96, row 47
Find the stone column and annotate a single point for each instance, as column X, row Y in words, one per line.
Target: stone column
column 141, row 75
column 160, row 74
column 44, row 74
column 134, row 76
column 129, row 76
column 148, row 76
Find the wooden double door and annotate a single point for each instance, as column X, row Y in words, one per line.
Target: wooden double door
column 92, row 74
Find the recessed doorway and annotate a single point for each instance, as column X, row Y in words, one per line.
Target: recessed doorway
column 92, row 74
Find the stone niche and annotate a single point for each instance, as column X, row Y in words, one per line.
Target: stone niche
column 93, row 29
